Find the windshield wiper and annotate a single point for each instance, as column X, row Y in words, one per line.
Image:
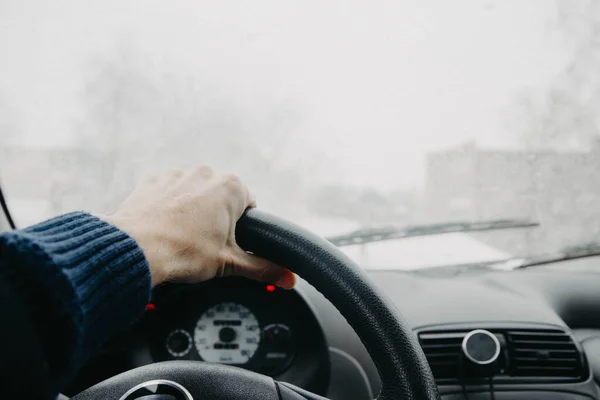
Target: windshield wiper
column 370, row 235
column 591, row 249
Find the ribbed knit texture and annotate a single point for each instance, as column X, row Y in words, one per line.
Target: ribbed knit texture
column 81, row 279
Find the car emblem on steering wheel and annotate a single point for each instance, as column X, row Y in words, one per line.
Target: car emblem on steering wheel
column 159, row 389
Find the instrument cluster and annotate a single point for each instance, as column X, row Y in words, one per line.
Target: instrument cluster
column 237, row 322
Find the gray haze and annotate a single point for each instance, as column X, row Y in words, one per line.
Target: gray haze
column 327, row 109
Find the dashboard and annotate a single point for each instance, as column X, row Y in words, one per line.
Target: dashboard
column 298, row 336
column 561, row 302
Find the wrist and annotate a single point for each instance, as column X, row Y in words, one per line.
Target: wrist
column 150, row 246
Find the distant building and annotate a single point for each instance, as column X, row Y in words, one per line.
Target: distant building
column 561, row 190
column 40, row 182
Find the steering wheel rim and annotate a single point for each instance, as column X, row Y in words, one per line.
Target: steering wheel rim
column 391, row 343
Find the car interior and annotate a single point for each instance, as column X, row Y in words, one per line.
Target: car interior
column 523, row 334
column 428, row 170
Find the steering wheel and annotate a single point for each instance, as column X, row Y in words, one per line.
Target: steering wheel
column 394, row 348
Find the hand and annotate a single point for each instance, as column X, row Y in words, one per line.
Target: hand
column 185, row 224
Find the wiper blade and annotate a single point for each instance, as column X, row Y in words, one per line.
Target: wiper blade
column 370, row 235
column 591, row 249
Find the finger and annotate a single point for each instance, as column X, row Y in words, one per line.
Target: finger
column 150, row 180
column 251, row 199
column 203, row 171
column 196, row 177
column 169, row 178
column 257, row 268
column 237, row 194
column 249, row 202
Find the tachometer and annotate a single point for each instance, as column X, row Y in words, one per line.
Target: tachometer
column 227, row 333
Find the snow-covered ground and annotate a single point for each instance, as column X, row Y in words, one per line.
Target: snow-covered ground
column 423, row 252
column 409, row 253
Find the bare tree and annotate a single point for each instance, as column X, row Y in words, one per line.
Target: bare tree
column 145, row 123
column 567, row 112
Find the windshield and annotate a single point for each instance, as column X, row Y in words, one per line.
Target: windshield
column 340, row 116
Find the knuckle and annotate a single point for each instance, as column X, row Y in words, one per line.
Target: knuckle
column 203, row 170
column 167, row 177
column 177, row 173
column 231, row 178
column 233, row 181
column 151, row 180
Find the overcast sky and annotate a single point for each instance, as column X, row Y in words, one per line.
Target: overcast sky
column 377, row 84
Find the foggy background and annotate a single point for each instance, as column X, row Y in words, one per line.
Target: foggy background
column 337, row 114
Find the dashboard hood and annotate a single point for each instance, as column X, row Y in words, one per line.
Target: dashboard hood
column 415, row 253
column 484, row 297
column 426, row 300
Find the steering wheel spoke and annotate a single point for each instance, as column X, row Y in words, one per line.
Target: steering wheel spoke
column 288, row 391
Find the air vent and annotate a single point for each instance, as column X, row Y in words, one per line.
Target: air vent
column 527, row 355
column 544, row 354
column 443, row 352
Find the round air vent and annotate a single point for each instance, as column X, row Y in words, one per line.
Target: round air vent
column 481, row 347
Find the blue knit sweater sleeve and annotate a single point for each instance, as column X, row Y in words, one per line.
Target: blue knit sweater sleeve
column 75, row 280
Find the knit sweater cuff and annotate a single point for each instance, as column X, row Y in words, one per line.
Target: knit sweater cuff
column 82, row 280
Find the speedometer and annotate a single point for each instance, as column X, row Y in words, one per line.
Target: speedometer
column 227, row 333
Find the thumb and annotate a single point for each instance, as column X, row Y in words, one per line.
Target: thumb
column 260, row 269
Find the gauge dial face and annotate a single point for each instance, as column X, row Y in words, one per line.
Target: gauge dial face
column 227, row 333
column 179, row 343
column 278, row 343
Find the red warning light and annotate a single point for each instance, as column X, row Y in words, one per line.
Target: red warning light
column 150, row 307
column 270, row 288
